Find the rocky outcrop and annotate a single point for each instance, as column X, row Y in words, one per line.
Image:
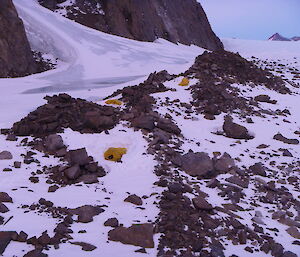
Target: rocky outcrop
column 174, row 20
column 16, row 58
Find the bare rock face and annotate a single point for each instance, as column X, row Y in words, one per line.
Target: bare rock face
column 174, row 20
column 16, row 58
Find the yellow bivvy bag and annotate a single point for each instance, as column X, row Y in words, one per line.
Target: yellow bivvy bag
column 184, row 82
column 114, row 101
column 114, row 154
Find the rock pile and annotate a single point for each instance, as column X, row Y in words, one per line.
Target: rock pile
column 222, row 66
column 218, row 72
column 63, row 111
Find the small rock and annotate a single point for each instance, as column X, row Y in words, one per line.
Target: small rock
column 85, row 246
column 134, row 199
column 112, row 222
column 285, row 140
column 5, row 155
column 238, row 181
column 86, row 213
column 73, row 173
column 264, row 99
column 53, row 188
column 289, row 254
column 201, row 204
column 5, row 198
column 287, row 153
column 11, row 137
column 22, row 237
column 294, row 232
column 258, row 169
column 17, row 165
column 89, row 178
column 3, row 208
column 35, row 253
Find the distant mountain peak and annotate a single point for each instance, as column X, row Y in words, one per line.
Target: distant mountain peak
column 295, row 38
column 278, row 37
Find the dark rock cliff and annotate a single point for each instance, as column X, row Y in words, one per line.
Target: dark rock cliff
column 16, row 58
column 182, row 21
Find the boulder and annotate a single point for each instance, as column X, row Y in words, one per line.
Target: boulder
column 54, row 142
column 16, row 58
column 224, row 163
column 196, row 164
column 144, row 121
column 78, row 156
column 138, row 235
column 234, row 130
column 168, row 126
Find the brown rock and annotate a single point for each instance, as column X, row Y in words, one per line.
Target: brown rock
column 3, row 208
column 5, row 155
column 112, row 222
column 285, row 140
column 5, row 198
column 196, row 164
column 5, row 238
column 234, row 130
column 35, row 253
column 134, row 199
column 85, row 246
column 86, row 213
column 78, row 156
column 138, row 235
column 201, row 204
column 294, row 232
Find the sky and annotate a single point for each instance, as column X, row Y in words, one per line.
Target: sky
column 253, row 19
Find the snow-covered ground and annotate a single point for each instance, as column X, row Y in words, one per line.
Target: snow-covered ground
column 92, row 65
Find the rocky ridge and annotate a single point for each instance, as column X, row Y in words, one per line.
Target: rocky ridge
column 173, row 20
